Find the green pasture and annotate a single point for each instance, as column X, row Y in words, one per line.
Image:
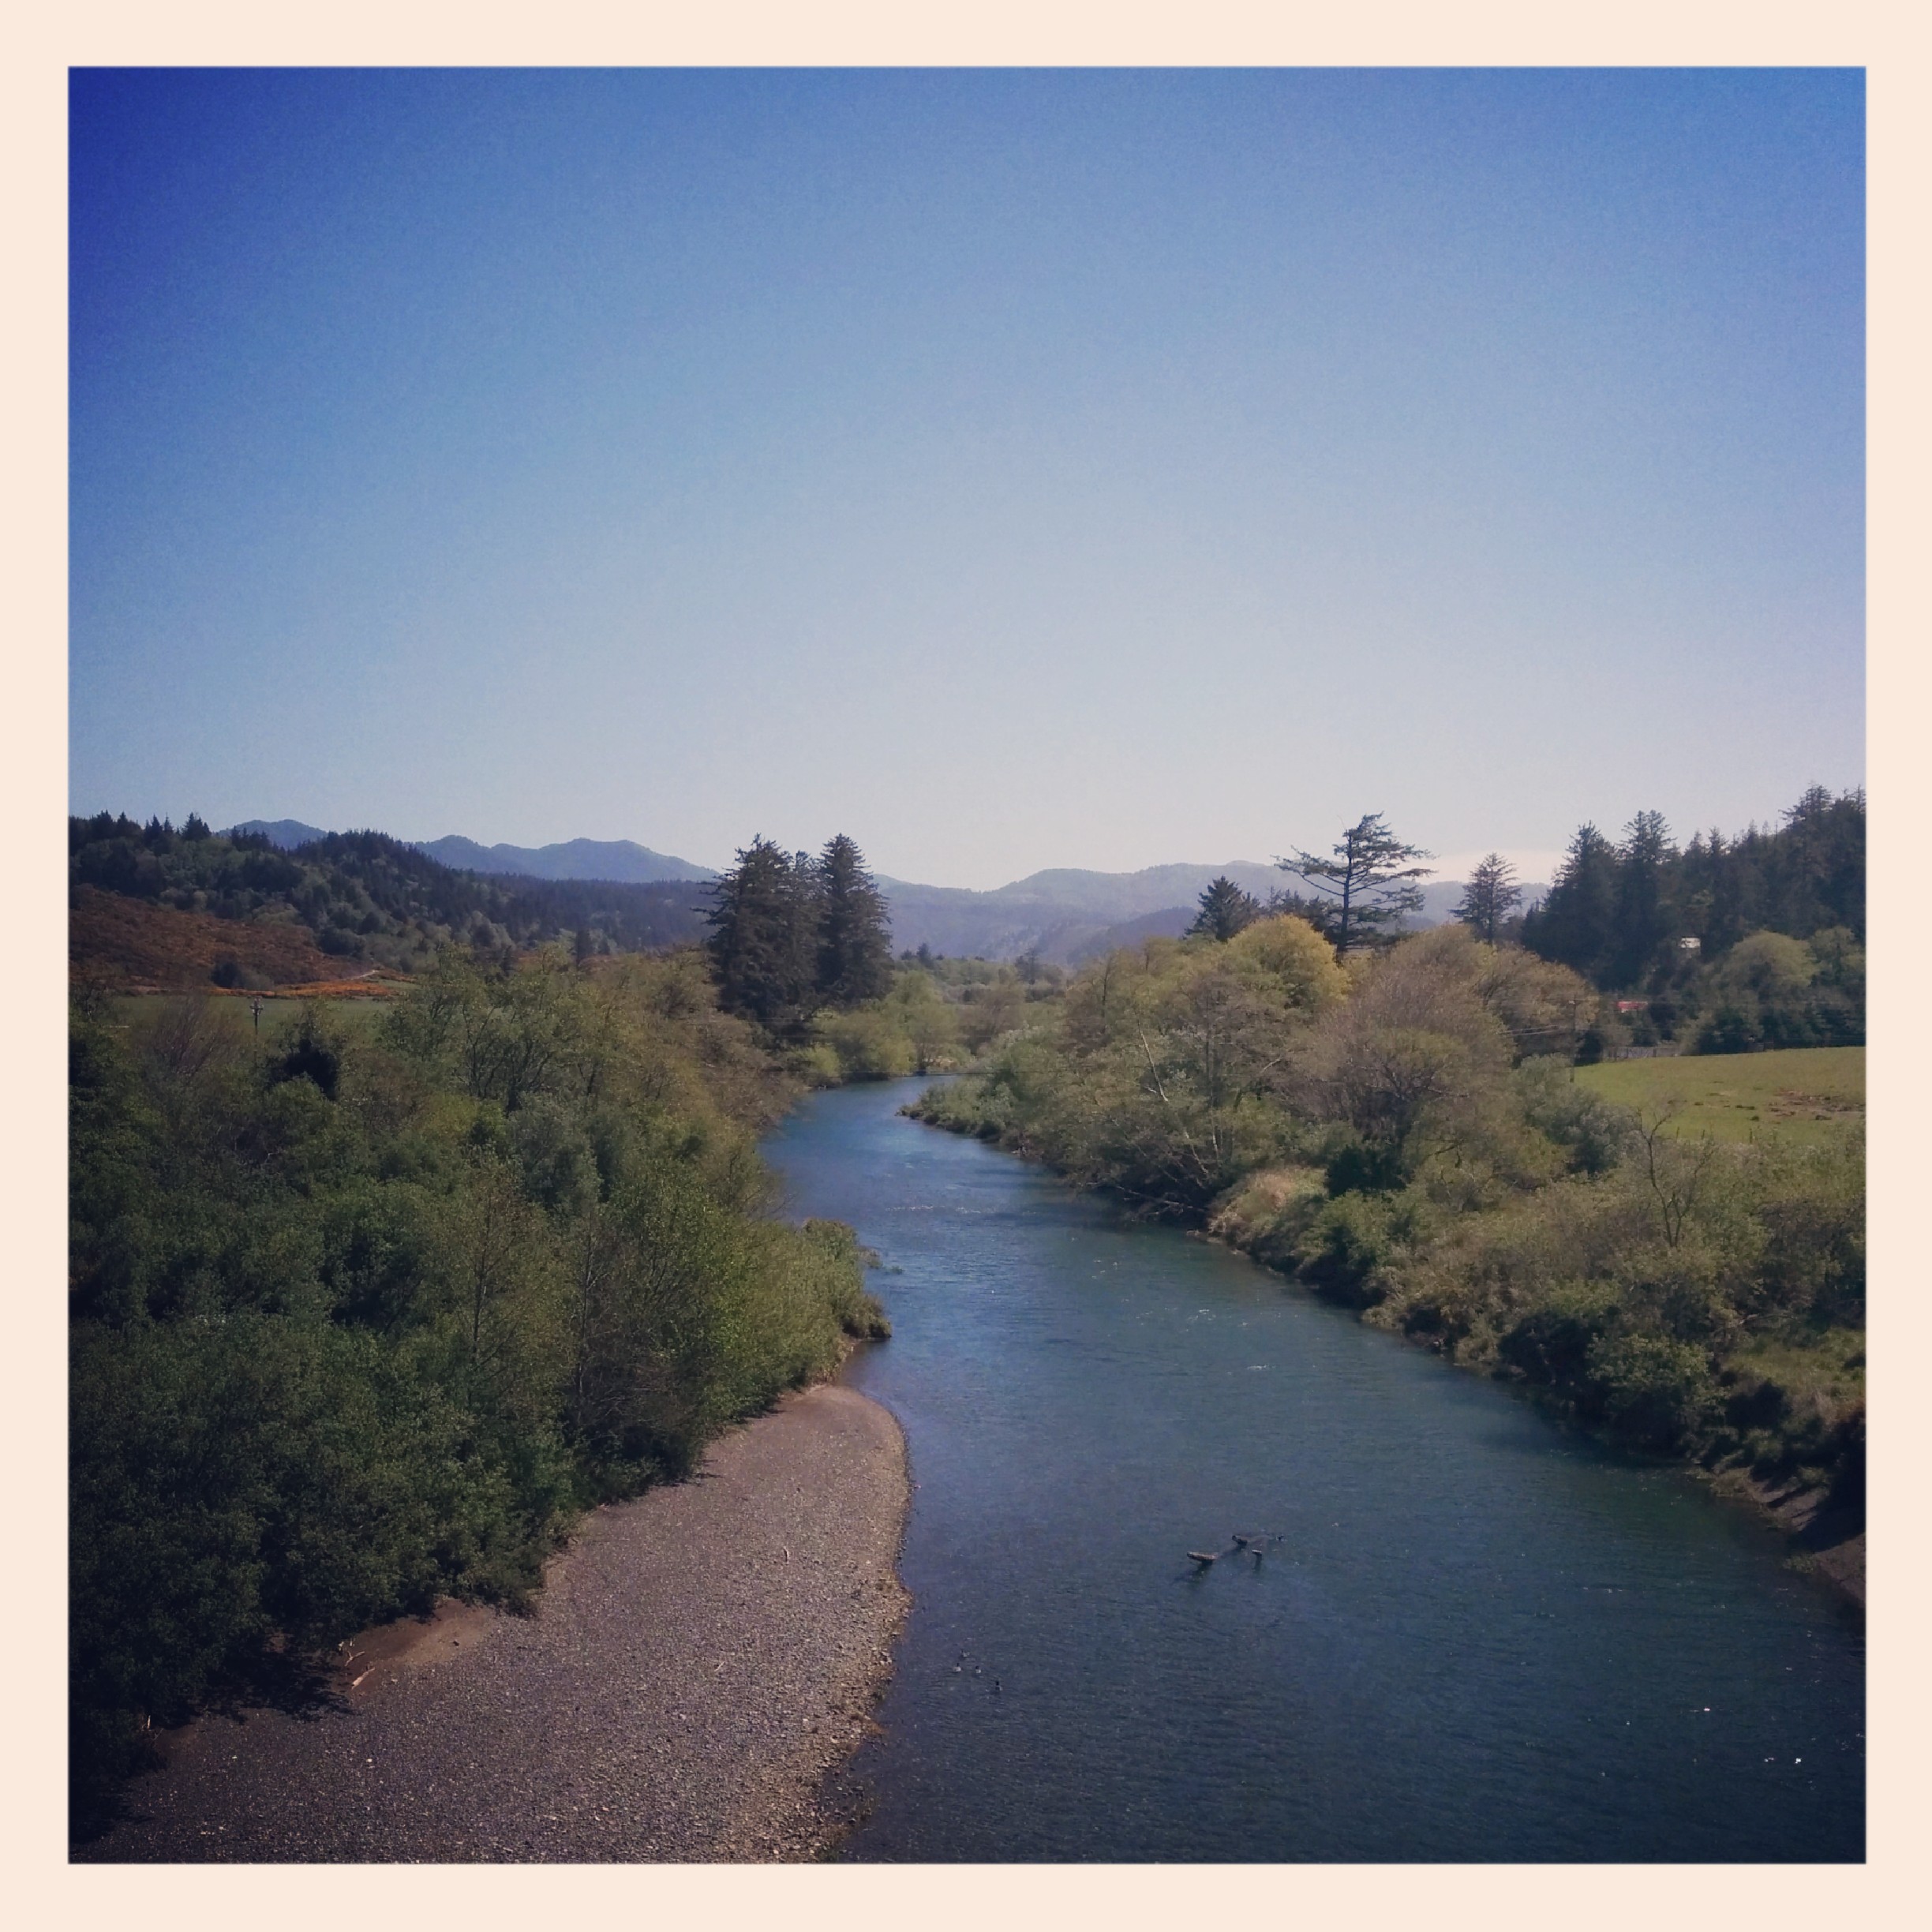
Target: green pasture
column 1799, row 1094
column 277, row 1015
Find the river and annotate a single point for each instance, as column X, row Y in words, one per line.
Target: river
column 1479, row 1636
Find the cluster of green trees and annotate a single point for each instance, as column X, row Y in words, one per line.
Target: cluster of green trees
column 1646, row 917
column 365, row 896
column 1397, row 1126
column 792, row 935
column 934, row 1020
column 801, row 946
column 364, row 1313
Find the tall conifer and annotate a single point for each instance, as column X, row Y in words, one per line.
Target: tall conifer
column 854, row 928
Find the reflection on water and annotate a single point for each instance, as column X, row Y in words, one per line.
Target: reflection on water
column 1471, row 1635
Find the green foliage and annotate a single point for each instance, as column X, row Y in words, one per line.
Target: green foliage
column 1155, row 1077
column 362, row 896
column 854, row 930
column 1618, row 914
column 1224, row 910
column 1489, row 898
column 1658, row 1392
column 1366, row 886
column 1593, row 1132
column 1352, row 1239
column 1772, row 991
column 792, row 936
column 1398, row 1137
column 363, row 1318
column 764, row 936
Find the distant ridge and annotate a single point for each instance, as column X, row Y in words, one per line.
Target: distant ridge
column 1068, row 915
column 286, row 833
column 1065, row 913
column 620, row 861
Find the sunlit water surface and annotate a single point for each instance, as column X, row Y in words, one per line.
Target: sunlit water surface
column 1480, row 1637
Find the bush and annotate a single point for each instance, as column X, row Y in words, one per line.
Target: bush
column 1595, row 1134
column 1551, row 1342
column 867, row 1044
column 1351, row 1240
column 1658, row 1393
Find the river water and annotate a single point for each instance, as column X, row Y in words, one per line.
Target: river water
column 1480, row 1637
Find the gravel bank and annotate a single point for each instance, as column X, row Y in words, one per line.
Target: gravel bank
column 699, row 1660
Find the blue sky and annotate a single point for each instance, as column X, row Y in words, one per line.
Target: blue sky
column 1010, row 469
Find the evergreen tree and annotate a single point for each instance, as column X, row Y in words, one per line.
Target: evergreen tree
column 1573, row 925
column 1643, row 927
column 1224, row 910
column 854, row 928
column 1490, row 896
column 1616, row 913
column 1818, row 879
column 762, row 921
column 1368, row 884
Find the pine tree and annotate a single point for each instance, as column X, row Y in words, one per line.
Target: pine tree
column 1644, row 925
column 854, row 928
column 1224, row 910
column 1368, row 884
column 1575, row 924
column 1490, row 896
column 763, row 923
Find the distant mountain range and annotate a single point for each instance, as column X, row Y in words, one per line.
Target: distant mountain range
column 1063, row 914
column 617, row 859
column 1067, row 915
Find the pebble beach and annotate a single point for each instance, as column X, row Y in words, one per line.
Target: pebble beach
column 701, row 1662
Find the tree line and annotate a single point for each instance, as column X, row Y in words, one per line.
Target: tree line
column 366, row 896
column 1618, row 911
column 1725, row 945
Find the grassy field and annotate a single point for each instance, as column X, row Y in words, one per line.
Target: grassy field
column 1801, row 1094
column 279, row 1016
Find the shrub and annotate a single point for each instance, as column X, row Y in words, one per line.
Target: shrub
column 1594, row 1133
column 1658, row 1392
column 1352, row 1239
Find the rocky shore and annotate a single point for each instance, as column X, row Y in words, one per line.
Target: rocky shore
column 699, row 1661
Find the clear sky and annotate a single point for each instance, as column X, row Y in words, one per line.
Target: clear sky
column 1009, row 469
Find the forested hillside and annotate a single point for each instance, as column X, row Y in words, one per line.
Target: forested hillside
column 361, row 898
column 1645, row 916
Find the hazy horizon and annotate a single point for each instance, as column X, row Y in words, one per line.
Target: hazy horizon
column 1532, row 867
column 1013, row 470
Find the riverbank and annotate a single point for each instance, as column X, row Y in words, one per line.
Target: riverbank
column 1825, row 1531
column 1480, row 1636
column 1826, row 1534
column 699, row 1661
column 1827, row 1537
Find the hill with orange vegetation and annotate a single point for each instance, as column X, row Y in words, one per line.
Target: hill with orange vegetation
column 137, row 946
